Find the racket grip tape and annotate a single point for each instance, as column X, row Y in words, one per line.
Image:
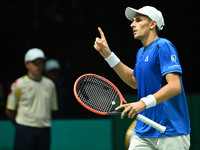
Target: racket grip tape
column 151, row 123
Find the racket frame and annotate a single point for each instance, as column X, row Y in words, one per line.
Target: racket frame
column 122, row 100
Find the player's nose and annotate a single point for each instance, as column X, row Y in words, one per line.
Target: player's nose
column 132, row 24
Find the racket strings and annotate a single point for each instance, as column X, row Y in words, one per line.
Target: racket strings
column 97, row 94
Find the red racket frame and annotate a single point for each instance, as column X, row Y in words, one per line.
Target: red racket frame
column 122, row 100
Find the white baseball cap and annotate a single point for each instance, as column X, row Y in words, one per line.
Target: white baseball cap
column 149, row 11
column 33, row 54
column 52, row 64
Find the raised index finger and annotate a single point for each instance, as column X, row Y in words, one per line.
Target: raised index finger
column 101, row 33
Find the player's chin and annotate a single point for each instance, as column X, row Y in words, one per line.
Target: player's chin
column 136, row 37
column 38, row 72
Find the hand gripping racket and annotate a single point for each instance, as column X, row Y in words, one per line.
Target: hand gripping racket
column 101, row 96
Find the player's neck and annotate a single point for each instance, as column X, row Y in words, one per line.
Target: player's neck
column 34, row 77
column 149, row 39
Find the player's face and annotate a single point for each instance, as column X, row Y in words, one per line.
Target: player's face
column 35, row 67
column 140, row 26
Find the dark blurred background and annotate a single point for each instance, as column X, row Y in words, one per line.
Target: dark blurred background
column 66, row 30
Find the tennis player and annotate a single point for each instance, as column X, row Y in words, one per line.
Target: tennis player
column 157, row 76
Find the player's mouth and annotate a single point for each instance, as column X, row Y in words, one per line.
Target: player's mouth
column 134, row 31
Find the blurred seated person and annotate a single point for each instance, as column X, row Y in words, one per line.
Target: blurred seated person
column 53, row 71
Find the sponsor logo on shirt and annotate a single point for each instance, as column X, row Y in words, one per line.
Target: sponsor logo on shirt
column 173, row 58
column 146, row 59
column 177, row 66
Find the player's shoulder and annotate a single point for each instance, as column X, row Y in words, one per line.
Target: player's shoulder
column 20, row 81
column 164, row 42
column 48, row 81
column 165, row 46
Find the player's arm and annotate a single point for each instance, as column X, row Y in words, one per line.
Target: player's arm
column 12, row 101
column 54, row 104
column 126, row 74
column 11, row 115
column 123, row 71
column 171, row 89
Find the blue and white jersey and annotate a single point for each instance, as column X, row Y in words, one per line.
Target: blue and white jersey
column 152, row 64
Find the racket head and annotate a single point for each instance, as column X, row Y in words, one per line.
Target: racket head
column 97, row 94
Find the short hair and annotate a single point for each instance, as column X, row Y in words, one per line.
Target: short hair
column 157, row 30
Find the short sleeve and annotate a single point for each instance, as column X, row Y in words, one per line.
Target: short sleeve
column 54, row 104
column 168, row 59
column 134, row 71
column 13, row 96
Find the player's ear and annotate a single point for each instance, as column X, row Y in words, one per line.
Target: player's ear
column 153, row 25
column 26, row 65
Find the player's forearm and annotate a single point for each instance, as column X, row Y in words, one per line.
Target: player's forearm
column 171, row 89
column 168, row 91
column 126, row 74
column 11, row 115
column 123, row 71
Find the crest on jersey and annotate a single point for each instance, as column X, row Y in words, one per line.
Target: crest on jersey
column 173, row 58
column 146, row 59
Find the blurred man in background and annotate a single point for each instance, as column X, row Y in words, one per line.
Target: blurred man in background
column 30, row 102
column 53, row 71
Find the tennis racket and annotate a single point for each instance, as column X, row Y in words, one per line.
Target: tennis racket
column 101, row 96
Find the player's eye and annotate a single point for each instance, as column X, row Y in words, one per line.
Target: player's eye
column 138, row 19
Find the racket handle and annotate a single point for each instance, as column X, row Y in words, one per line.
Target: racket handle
column 145, row 120
column 151, row 123
column 114, row 113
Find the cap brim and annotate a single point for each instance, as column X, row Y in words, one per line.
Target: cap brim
column 34, row 58
column 130, row 13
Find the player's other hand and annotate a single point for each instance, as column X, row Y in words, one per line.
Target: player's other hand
column 131, row 109
column 101, row 45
